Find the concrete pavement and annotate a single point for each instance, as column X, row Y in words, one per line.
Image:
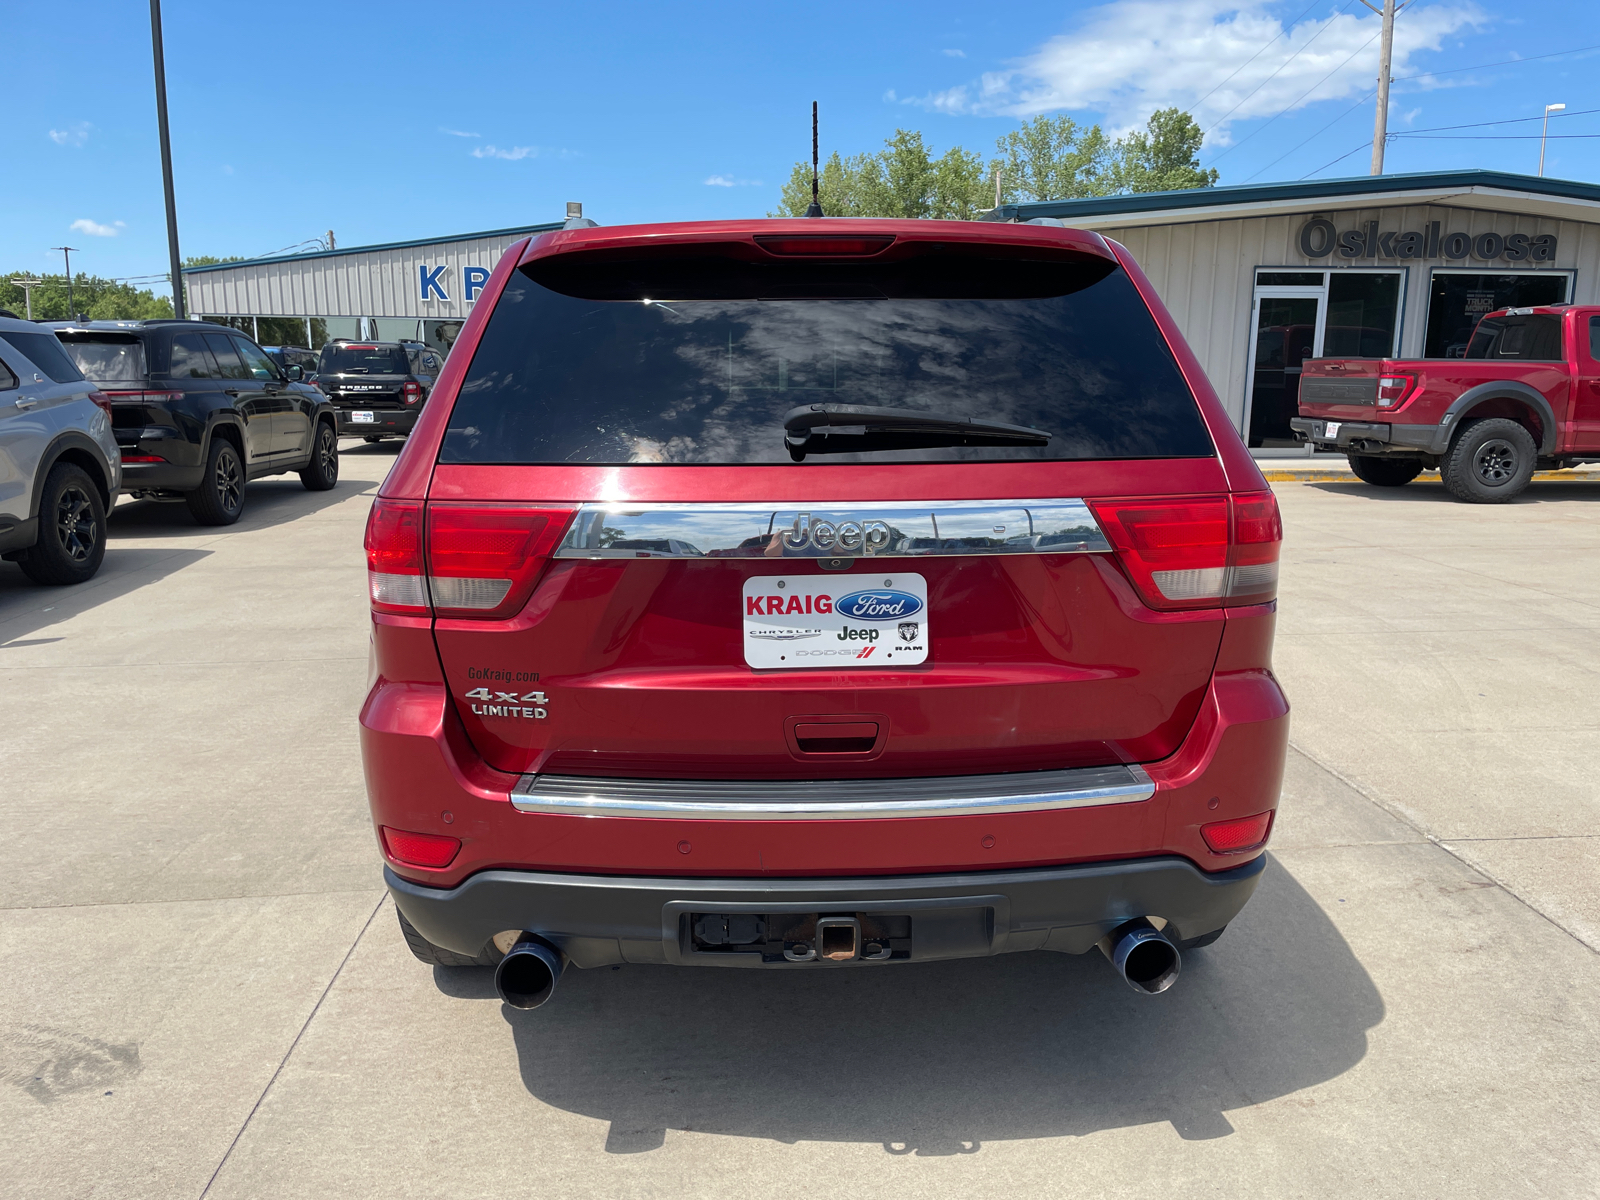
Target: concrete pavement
column 205, row 992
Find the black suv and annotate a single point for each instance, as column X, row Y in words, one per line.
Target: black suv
column 378, row 387
column 198, row 410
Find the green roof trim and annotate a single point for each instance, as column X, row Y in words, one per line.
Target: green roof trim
column 1326, row 189
column 518, row 231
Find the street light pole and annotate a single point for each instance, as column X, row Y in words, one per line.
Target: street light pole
column 1548, row 109
column 1380, row 128
column 27, row 283
column 66, row 253
column 166, row 159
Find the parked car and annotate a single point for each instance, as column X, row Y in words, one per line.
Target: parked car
column 199, row 410
column 59, row 467
column 284, row 357
column 807, row 594
column 375, row 387
column 1525, row 396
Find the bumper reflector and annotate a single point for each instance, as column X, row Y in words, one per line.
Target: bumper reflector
column 419, row 849
column 1242, row 833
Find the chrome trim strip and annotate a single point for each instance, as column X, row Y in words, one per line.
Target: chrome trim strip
column 871, row 529
column 831, row 800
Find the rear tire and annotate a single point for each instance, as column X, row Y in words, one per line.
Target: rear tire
column 1385, row 472
column 438, row 956
column 322, row 472
column 1491, row 462
column 72, row 530
column 220, row 497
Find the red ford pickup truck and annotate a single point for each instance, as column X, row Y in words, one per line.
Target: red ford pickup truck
column 1525, row 396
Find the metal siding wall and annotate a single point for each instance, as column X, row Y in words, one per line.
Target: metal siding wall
column 1205, row 272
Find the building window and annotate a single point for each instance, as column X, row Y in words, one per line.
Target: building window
column 1312, row 314
column 1457, row 299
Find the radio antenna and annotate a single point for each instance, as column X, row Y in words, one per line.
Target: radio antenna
column 815, row 209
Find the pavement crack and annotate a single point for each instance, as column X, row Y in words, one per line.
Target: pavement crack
column 311, row 1016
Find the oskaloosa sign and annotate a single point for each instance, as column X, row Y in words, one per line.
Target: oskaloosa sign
column 1319, row 238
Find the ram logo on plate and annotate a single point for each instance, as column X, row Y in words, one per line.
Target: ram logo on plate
column 804, row 621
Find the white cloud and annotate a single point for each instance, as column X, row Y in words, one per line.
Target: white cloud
column 730, row 181
column 458, row 132
column 954, row 53
column 1126, row 60
column 95, row 229
column 75, row 134
column 490, row 150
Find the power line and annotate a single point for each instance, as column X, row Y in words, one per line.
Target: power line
column 1341, row 158
column 1507, row 121
column 1318, row 133
column 1297, row 101
column 1257, row 54
column 1285, row 63
column 1493, row 137
column 1509, row 62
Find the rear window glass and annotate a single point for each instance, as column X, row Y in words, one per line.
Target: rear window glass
column 623, row 363
column 46, row 353
column 1533, row 338
column 363, row 360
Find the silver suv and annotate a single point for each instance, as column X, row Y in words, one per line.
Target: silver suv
column 59, row 464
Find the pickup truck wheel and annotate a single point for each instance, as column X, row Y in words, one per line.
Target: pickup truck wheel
column 1385, row 472
column 220, row 497
column 1490, row 463
column 438, row 956
column 72, row 529
column 322, row 472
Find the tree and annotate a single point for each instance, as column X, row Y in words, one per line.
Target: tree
column 901, row 180
column 1055, row 158
column 100, row 299
column 210, row 260
column 1165, row 157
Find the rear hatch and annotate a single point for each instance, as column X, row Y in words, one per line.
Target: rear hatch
column 1353, row 389
column 717, row 515
column 118, row 365
column 365, row 375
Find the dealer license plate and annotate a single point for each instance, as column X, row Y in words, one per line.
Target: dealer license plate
column 362, row 418
column 836, row 620
column 1331, row 429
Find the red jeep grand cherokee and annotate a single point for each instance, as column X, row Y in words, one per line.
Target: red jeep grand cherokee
column 799, row 593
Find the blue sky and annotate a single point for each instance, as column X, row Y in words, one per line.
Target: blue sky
column 397, row 120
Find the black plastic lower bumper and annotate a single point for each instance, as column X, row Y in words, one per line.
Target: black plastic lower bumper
column 599, row 920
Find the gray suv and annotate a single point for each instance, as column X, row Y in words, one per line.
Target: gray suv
column 59, row 464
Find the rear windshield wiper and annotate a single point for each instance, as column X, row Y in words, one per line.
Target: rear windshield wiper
column 847, row 428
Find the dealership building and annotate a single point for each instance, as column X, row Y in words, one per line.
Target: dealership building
column 1259, row 278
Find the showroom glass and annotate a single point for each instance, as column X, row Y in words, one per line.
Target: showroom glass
column 1363, row 310
column 363, row 360
column 106, row 357
column 1458, row 300
column 563, row 378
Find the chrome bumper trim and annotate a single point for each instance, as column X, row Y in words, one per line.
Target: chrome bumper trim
column 870, row 529
column 831, row 800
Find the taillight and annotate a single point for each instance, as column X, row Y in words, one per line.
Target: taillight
column 1393, row 388
column 419, row 849
column 484, row 560
column 413, row 392
column 1243, row 833
column 141, row 458
column 141, row 397
column 394, row 557
column 100, row 400
column 1197, row 553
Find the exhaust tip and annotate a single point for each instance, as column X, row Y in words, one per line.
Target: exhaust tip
column 527, row 975
column 1143, row 956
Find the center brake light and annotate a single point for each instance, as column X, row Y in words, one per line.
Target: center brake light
column 476, row 560
column 1199, row 552
column 832, row 245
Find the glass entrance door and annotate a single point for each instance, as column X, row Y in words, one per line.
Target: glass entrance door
column 1288, row 330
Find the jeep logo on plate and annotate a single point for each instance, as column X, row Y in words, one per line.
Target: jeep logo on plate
column 880, row 604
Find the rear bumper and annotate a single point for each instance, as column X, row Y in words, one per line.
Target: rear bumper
column 598, row 920
column 1371, row 437
column 384, row 420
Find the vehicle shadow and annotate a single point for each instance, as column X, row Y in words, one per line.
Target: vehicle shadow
column 26, row 607
column 1538, row 492
column 267, row 502
column 940, row 1058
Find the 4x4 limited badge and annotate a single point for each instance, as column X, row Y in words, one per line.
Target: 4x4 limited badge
column 526, row 707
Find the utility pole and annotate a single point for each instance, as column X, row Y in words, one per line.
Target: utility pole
column 1380, row 128
column 27, row 283
column 166, row 159
column 998, row 172
column 66, row 253
column 1545, row 132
